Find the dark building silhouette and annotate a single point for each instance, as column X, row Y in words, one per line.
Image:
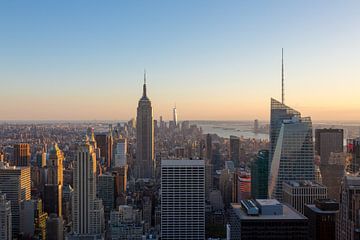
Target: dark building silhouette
column 322, row 219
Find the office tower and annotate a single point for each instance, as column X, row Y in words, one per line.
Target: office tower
column 105, row 191
column 348, row 221
column 182, row 210
column 260, row 175
column 226, row 185
column 52, row 197
column 208, row 179
column 105, row 144
column 5, row 218
column 329, row 146
column 55, row 180
column 256, row 126
column 88, row 212
column 22, row 154
column 120, row 178
column 299, row 193
column 244, row 185
column 353, row 148
column 120, row 153
column 322, row 219
column 328, row 141
column 293, row 158
column 145, row 163
column 216, row 158
column 278, row 113
column 33, row 219
column 175, row 120
column 235, row 150
column 54, row 228
column 124, row 224
column 266, row 219
column 15, row 183
column 332, row 174
column 208, row 146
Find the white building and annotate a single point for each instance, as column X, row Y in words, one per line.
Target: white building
column 182, row 199
column 5, row 218
column 15, row 183
column 299, row 193
column 88, row 211
column 120, row 153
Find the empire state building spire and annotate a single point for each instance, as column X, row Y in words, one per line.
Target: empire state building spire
column 144, row 86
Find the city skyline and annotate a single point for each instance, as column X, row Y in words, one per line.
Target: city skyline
column 84, row 61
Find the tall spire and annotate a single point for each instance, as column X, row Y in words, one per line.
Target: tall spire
column 282, row 76
column 144, row 86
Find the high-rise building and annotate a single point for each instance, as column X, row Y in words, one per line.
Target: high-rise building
column 55, row 180
column 328, row 141
column 322, row 219
column 329, row 146
column 105, row 144
column 299, row 193
column 260, row 175
column 120, row 153
column 208, row 179
column 54, row 228
column 175, row 120
column 208, row 146
column 293, row 158
column 33, row 219
column 22, row 154
column 182, row 199
column 5, row 218
column 105, row 191
column 52, row 197
column 279, row 112
column 15, row 183
column 353, row 148
column 235, row 150
column 120, row 178
column 348, row 221
column 266, row 219
column 88, row 212
column 145, row 164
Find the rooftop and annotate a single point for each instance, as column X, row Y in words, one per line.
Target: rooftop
column 303, row 184
column 185, row 162
column 288, row 212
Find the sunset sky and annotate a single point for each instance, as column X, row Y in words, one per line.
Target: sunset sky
column 217, row 60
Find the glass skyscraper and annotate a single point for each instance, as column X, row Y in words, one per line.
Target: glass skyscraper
column 293, row 154
column 278, row 113
column 260, row 175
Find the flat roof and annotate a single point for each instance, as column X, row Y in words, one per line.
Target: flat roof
column 288, row 213
column 314, row 208
column 267, row 202
column 183, row 162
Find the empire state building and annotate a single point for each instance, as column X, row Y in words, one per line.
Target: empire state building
column 144, row 137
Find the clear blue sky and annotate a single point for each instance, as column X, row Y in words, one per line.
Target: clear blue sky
column 215, row 59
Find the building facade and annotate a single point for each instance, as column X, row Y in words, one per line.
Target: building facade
column 322, row 219
column 293, row 158
column 88, row 212
column 182, row 199
column 16, row 184
column 299, row 193
column 5, row 218
column 260, row 175
column 145, row 162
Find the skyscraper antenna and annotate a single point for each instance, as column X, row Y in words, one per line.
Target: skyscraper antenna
column 282, row 76
column 144, row 76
